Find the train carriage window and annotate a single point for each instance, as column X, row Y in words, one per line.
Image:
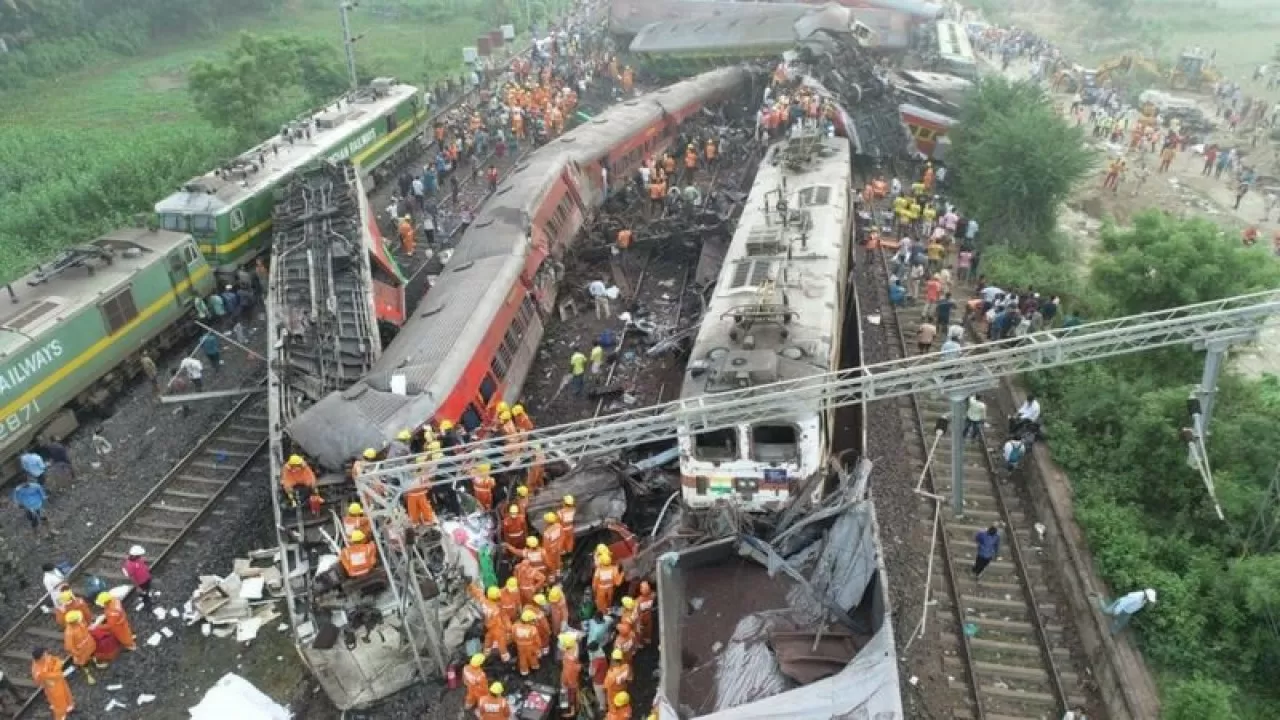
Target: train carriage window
column 774, row 443
column 237, row 219
column 487, row 388
column 203, row 223
column 471, row 418
column 716, row 445
column 498, row 368
column 174, row 221
column 118, row 309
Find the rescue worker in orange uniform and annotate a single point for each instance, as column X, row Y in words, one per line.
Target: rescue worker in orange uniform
column 482, row 485
column 497, row 627
column 533, row 477
column 405, row 229
column 475, row 680
column 618, row 677
column 509, row 599
column 67, row 602
column 116, row 620
column 494, row 706
column 626, row 641
column 568, row 509
column 355, row 520
column 521, row 418
column 79, row 643
column 559, row 610
column 531, row 553
column 522, row 499
column 542, row 611
column 530, row 578
column 644, row 614
column 417, row 500
column 628, row 614
column 360, row 556
column 620, row 707
column 46, row 673
column 514, row 526
column 570, row 675
column 553, row 543
column 606, row 580
column 297, row 478
column 528, row 642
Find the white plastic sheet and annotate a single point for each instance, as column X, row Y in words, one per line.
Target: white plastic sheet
column 234, row 697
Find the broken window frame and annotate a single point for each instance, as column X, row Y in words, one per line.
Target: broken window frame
column 734, row 452
column 792, row 448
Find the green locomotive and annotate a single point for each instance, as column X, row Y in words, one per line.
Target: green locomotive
column 74, row 330
column 229, row 209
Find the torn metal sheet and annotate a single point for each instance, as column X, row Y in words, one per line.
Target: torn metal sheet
column 597, row 492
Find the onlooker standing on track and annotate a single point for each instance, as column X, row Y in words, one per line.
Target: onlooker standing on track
column 33, row 465
column 975, row 415
column 212, row 350
column 578, row 370
column 138, row 570
column 924, row 337
column 151, row 371
column 1014, row 450
column 194, row 370
column 942, row 310
column 988, row 548
column 31, row 497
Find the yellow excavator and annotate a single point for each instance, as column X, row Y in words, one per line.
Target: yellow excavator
column 1192, row 71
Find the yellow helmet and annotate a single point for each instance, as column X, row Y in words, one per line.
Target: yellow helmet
column 522, row 491
column 512, row 584
column 496, row 689
column 514, row 510
column 75, row 616
column 103, row 598
column 628, row 603
column 355, row 509
column 477, row 660
column 517, row 409
column 604, row 560
column 503, row 407
column 551, row 518
column 66, row 596
column 617, row 654
column 527, row 616
column 483, row 468
column 434, row 445
column 531, row 542
column 622, row 699
column 539, row 599
column 505, row 416
column 295, row 460
column 357, row 536
column 404, row 436
column 568, row 640
column 556, row 594
column 568, row 500
column 437, row 456
column 493, row 593
column 370, row 453
column 446, row 425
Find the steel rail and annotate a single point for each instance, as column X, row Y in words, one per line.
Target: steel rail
column 151, row 502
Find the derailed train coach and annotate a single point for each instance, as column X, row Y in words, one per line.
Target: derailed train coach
column 474, row 337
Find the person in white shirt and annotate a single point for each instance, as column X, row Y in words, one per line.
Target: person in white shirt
column 1030, row 410
column 54, row 581
column 194, row 370
column 600, row 294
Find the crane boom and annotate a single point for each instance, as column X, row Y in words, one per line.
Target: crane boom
column 1229, row 321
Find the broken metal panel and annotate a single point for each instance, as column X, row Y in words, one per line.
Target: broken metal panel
column 597, row 492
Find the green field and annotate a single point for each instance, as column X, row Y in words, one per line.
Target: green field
column 87, row 150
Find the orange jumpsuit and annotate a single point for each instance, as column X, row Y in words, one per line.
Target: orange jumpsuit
column 293, row 476
column 79, row 603
column 533, row 478
column 553, row 547
column 418, row 504
column 531, row 580
column 543, row 624
column 497, row 628
column 493, row 708
column 482, row 487
column 477, row 684
column 567, row 514
column 528, row 646
column 118, row 622
column 537, row 557
column 616, row 679
column 606, row 580
column 625, row 641
column 358, row 559
column 510, row 603
column 47, row 673
column 559, row 614
column 352, row 523
column 514, row 526
column 619, row 713
column 77, row 640
column 571, row 677
column 644, row 618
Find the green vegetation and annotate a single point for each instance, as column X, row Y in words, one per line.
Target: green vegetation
column 1114, row 428
column 97, row 116
column 1015, row 160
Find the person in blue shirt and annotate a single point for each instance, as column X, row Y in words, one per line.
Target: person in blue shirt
column 897, row 293
column 988, row 548
column 1123, row 610
column 212, row 350
column 33, row 465
column 31, row 497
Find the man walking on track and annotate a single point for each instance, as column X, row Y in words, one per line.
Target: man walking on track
column 988, row 548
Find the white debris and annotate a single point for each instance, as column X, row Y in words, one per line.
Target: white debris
column 252, row 588
column 144, row 698
column 155, row 639
column 247, row 630
column 234, row 697
column 282, row 627
column 159, row 612
column 914, row 680
column 113, row 704
column 115, row 687
column 166, row 632
column 206, row 629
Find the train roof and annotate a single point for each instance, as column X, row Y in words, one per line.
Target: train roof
column 629, row 17
column 793, row 267
column 781, row 25
column 331, row 127
column 77, row 277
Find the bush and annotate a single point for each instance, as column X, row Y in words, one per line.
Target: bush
column 1200, row 698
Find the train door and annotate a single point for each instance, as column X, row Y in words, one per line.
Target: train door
column 182, row 263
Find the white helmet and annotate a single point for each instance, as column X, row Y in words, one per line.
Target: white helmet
column 137, row 551
column 1151, row 595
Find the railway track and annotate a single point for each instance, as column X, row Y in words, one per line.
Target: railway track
column 1004, row 639
column 231, row 451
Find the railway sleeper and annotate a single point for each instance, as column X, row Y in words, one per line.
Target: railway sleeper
column 987, row 648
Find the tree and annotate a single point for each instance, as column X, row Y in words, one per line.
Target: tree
column 1015, row 161
column 1163, row 262
column 255, row 76
column 1200, row 698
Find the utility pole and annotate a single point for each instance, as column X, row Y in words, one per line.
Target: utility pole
column 349, row 42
